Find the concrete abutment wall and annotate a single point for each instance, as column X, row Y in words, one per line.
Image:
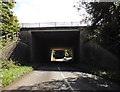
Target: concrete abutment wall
column 35, row 46
column 42, row 42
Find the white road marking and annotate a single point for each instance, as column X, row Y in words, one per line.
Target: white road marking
column 65, row 79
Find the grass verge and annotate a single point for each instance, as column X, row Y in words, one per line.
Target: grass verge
column 10, row 71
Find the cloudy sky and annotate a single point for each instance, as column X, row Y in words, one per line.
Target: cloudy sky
column 32, row 11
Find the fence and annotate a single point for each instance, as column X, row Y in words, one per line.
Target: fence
column 50, row 24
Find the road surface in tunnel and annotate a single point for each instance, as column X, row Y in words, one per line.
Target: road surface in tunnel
column 60, row 77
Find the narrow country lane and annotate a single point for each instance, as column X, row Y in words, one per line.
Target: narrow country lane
column 53, row 78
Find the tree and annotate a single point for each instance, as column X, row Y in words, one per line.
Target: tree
column 8, row 21
column 105, row 23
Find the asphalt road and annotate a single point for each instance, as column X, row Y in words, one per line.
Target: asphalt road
column 52, row 78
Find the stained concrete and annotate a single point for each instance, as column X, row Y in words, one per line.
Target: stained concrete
column 36, row 43
column 42, row 42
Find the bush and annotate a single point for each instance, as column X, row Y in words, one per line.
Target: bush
column 99, row 71
column 6, row 64
column 113, row 75
column 9, row 71
column 7, row 40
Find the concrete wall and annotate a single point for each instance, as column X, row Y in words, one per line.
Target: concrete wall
column 94, row 55
column 42, row 42
column 21, row 52
column 35, row 46
column 6, row 51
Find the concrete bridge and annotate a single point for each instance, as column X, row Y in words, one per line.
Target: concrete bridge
column 37, row 43
column 41, row 38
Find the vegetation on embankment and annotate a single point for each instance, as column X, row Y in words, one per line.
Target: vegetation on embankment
column 100, row 71
column 5, row 41
column 9, row 26
column 9, row 30
column 102, row 57
column 112, row 75
column 10, row 71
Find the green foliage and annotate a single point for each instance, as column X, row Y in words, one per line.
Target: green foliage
column 68, row 53
column 5, row 41
column 99, row 71
column 105, row 30
column 8, row 75
column 8, row 21
column 10, row 70
column 115, row 76
column 105, row 23
column 7, row 64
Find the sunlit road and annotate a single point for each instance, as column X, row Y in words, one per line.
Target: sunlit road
column 57, row 77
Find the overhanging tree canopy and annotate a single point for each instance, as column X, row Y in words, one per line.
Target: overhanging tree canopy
column 8, row 21
column 105, row 23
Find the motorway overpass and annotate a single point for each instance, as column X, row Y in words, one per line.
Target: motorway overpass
column 42, row 39
column 38, row 41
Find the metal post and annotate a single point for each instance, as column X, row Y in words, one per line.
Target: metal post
column 55, row 24
column 22, row 25
column 71, row 24
column 39, row 24
column 80, row 22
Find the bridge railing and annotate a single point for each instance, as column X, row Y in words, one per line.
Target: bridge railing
column 50, row 24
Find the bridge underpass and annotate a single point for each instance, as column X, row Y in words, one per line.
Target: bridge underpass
column 40, row 41
column 43, row 42
column 37, row 41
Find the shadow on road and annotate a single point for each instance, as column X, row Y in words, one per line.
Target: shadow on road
column 83, row 82
column 64, row 67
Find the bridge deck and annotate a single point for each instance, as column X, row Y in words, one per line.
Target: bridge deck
column 50, row 24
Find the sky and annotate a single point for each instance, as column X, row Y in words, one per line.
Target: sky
column 36, row 11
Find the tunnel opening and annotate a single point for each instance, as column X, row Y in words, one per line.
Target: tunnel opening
column 44, row 44
column 61, row 54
